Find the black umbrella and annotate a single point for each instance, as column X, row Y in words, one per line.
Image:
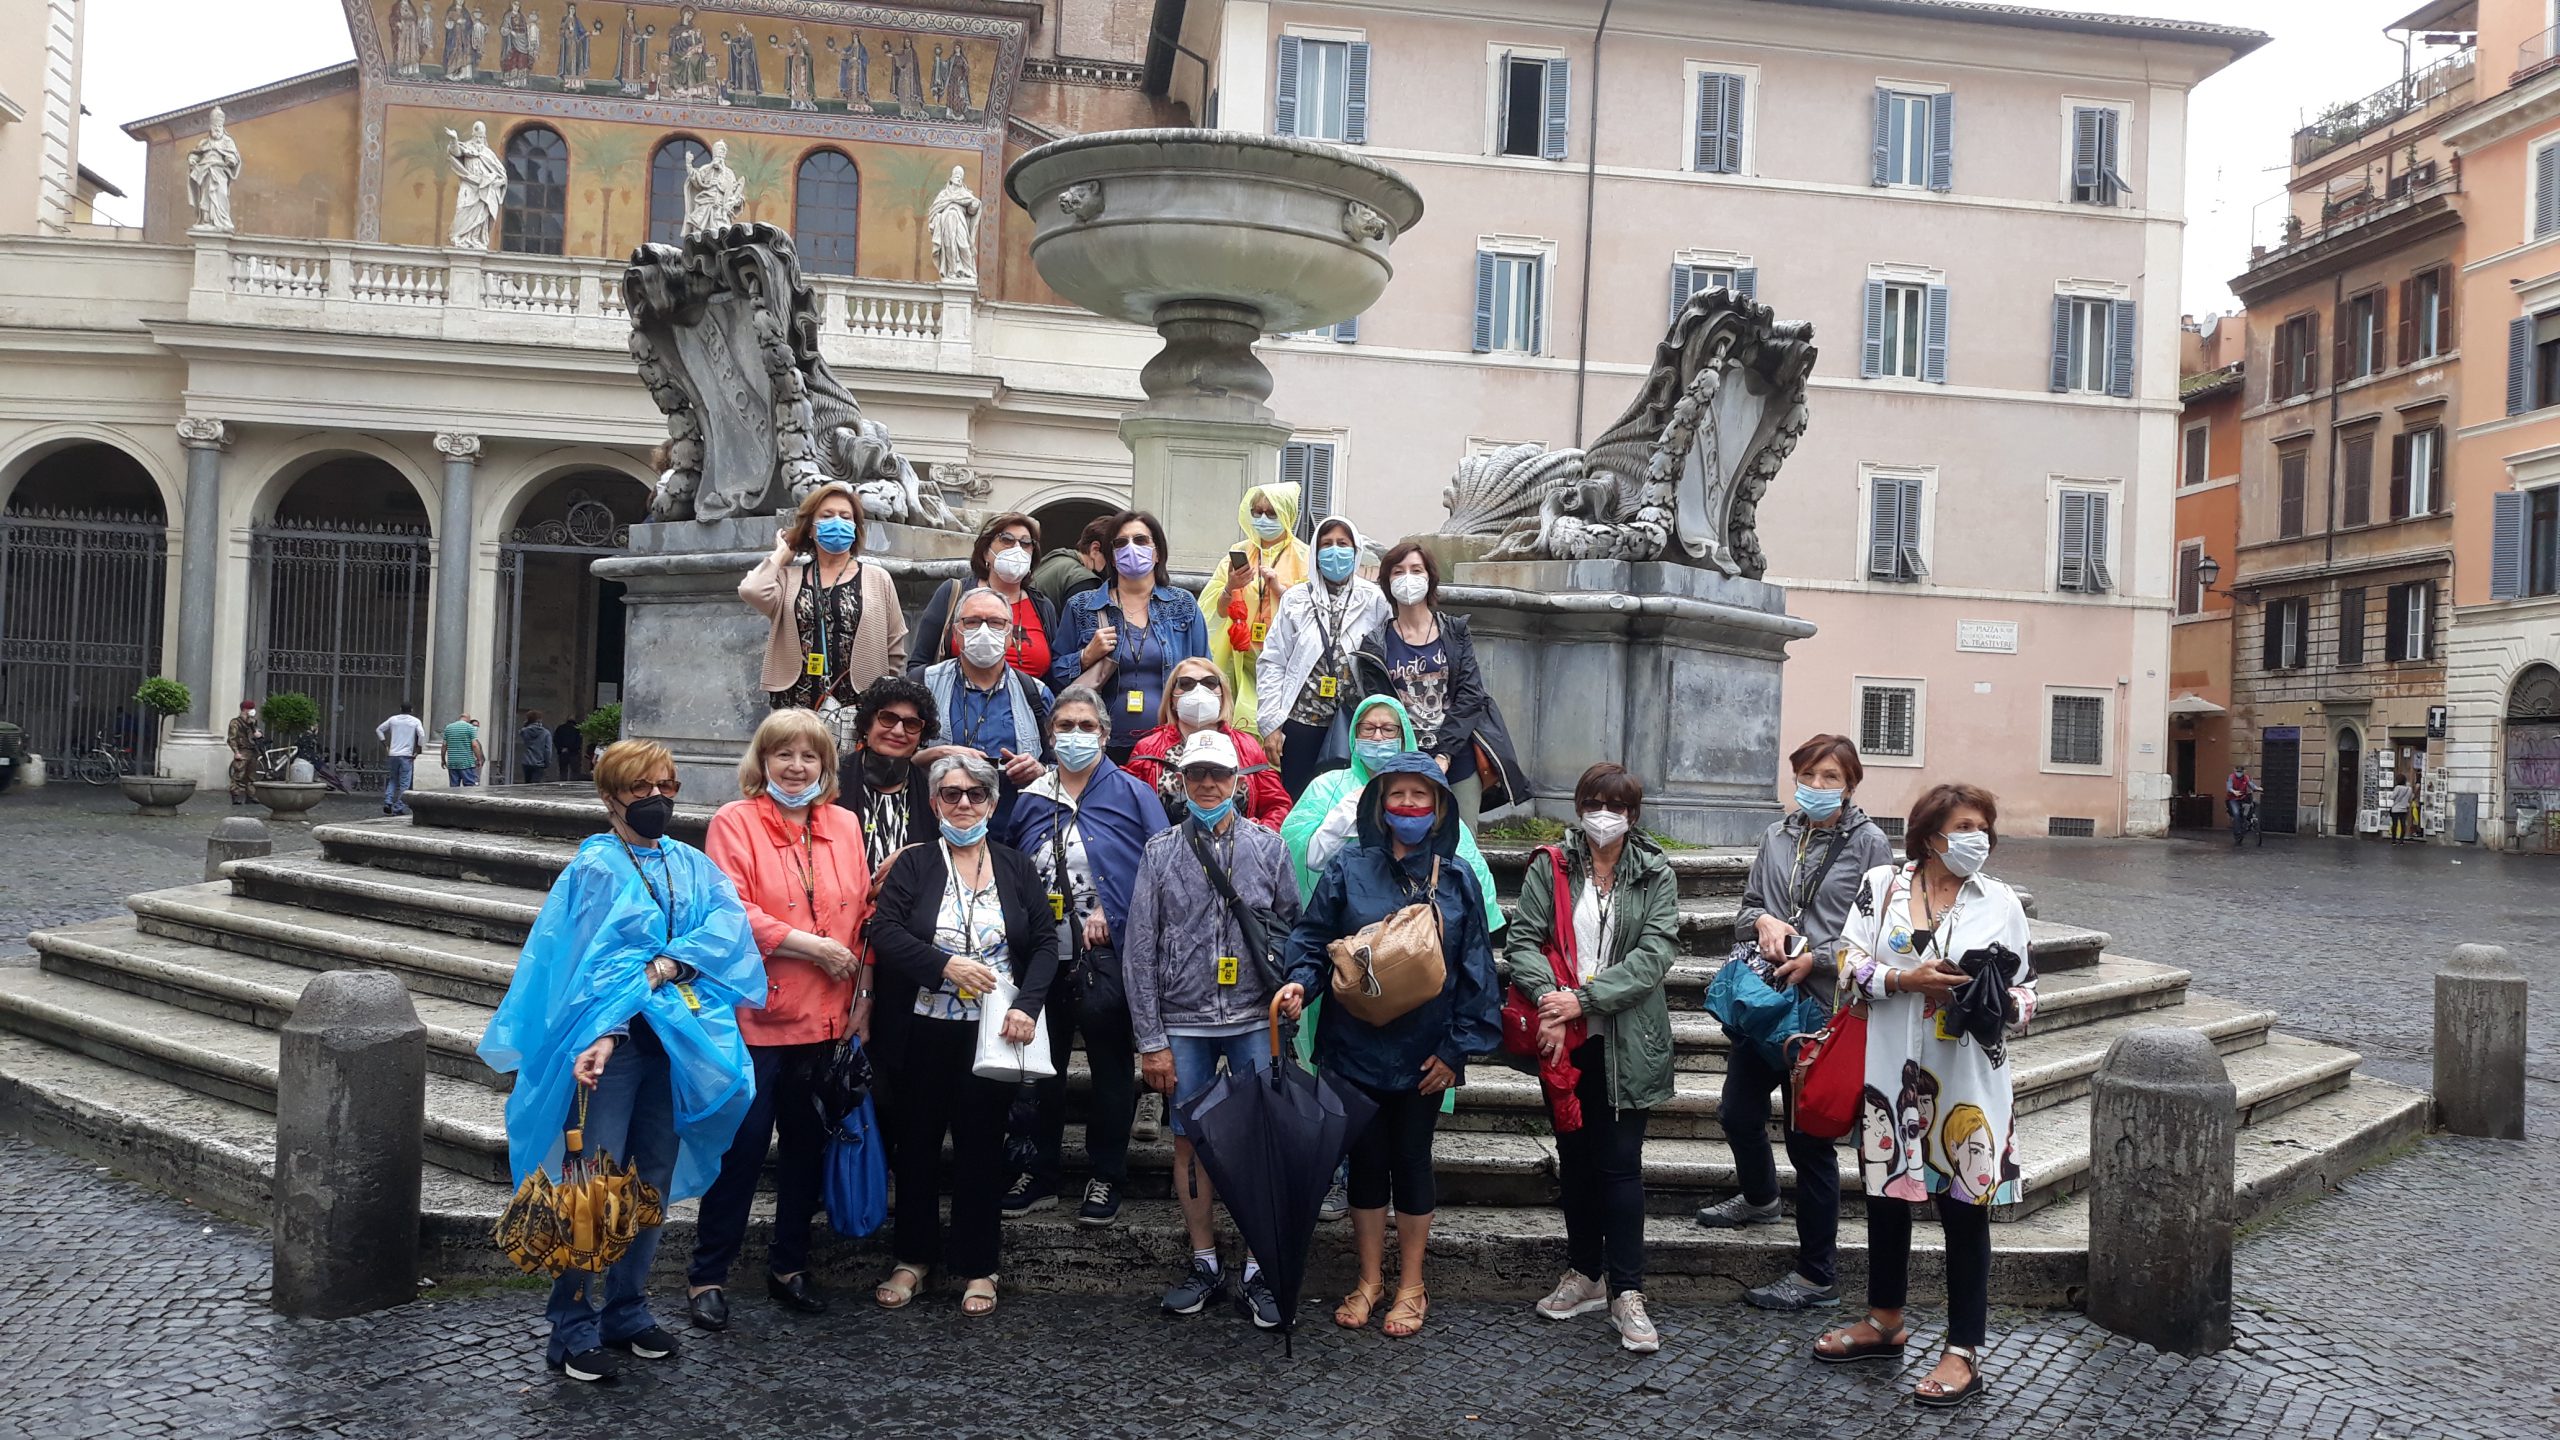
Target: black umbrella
column 1270, row 1141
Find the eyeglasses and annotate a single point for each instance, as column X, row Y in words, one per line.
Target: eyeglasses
column 954, row 795
column 1009, row 541
column 1612, row 806
column 893, row 720
column 985, row 622
column 1077, row 727
column 1388, row 731
column 1202, row 775
column 1189, row 683
column 645, row 788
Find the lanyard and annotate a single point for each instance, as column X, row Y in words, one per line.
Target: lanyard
column 1133, row 638
column 956, row 888
column 978, row 720
column 666, row 903
column 806, row 863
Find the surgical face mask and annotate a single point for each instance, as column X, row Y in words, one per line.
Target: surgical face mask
column 1603, row 827
column 1336, row 562
column 835, row 534
column 1266, row 528
column 1374, row 753
column 1078, row 751
column 1966, row 852
column 1135, row 559
column 983, row 648
column 1197, row 707
column 1208, row 816
column 1411, row 827
column 1011, row 566
column 795, row 799
column 1816, row 802
column 650, row 817
column 1409, row 588
column 953, row 834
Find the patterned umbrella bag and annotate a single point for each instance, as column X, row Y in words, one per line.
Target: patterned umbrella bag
column 529, row 1232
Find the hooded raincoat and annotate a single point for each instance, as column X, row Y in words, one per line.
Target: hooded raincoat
column 584, row 975
column 1240, row 616
column 1325, row 820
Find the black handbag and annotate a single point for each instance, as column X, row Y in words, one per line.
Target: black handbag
column 1979, row 1008
column 1261, row 929
column 845, row 1081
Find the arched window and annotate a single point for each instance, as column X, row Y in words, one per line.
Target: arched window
column 825, row 212
column 536, row 218
column 666, row 187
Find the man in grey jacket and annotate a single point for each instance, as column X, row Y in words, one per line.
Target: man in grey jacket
column 1198, row 995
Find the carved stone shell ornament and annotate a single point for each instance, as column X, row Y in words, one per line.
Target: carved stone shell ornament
column 1081, row 201
column 1364, row 224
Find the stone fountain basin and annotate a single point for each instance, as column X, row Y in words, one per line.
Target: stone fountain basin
column 1130, row 221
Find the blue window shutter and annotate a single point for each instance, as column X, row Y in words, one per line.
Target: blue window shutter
column 2111, row 157
column 1284, row 104
column 1348, row 332
column 2099, row 580
column 2506, row 545
column 1942, row 141
column 1881, row 169
column 2546, row 190
column 2120, row 366
column 1709, row 148
column 1933, row 354
column 2085, row 168
column 1559, row 101
column 1732, row 109
column 2073, row 571
column 2519, row 364
column 1884, row 529
column 1484, row 301
column 1293, row 465
column 1355, row 91
column 1315, row 493
column 1913, row 567
column 1746, row 282
column 1684, row 283
column 2061, row 343
column 1871, row 354
column 1537, row 316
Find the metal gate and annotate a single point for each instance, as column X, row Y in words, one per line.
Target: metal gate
column 339, row 612
column 80, row 612
column 2280, row 780
column 586, row 532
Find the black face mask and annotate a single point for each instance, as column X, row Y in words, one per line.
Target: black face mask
column 883, row 772
column 649, row 818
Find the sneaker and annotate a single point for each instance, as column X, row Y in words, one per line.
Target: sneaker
column 1101, row 1204
column 1199, row 1286
column 1148, row 1123
column 1337, row 1203
column 1635, row 1328
column 1028, row 1193
column 593, row 1367
column 650, row 1344
column 1791, row 1291
column 1259, row 1305
column 1737, row 1211
column 1575, row 1294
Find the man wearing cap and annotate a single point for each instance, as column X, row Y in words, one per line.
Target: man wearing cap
column 1199, row 995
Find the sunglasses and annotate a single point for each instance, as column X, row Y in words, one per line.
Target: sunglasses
column 892, row 720
column 1189, row 683
column 1200, row 776
column 954, row 795
column 1077, row 727
column 1009, row 542
column 645, row 788
column 1612, row 806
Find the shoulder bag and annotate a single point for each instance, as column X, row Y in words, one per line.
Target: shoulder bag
column 1260, row 931
column 1520, row 1017
column 1829, row 1070
column 1394, row 967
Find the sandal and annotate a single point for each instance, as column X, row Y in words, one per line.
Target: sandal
column 890, row 1295
column 1938, row 1397
column 1888, row 1345
column 1405, row 1317
column 981, row 1289
column 1354, row 1311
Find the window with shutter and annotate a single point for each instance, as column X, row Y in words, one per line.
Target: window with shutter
column 1933, row 350
column 1355, row 93
column 2121, row 338
column 1310, row 464
column 1521, row 124
column 1722, row 100
column 1510, row 302
column 2438, row 290
column 2097, row 176
column 2092, row 345
column 2546, row 190
column 2191, row 578
column 2405, row 335
column 2426, row 469
column 1884, row 529
column 1913, row 567
column 2271, row 636
column 1898, row 330
column 2061, row 361
column 2294, row 632
column 2199, row 453
column 2351, row 626
column 2400, row 476
column 2356, row 493
column 2520, row 385
column 1323, row 90
column 1284, row 95
column 2078, row 730
column 2508, row 519
column 2100, row 578
column 1942, row 141
column 1888, row 720
column 2399, row 631
column 1559, row 103
column 2073, row 547
column 1871, row 347
column 1904, row 138
column 2290, row 468
column 1484, row 301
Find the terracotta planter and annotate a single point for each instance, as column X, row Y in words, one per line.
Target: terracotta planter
column 157, row 794
column 283, row 797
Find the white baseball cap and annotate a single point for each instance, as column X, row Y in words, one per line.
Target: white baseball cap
column 1209, row 747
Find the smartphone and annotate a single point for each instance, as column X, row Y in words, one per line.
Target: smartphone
column 1235, row 561
column 1796, row 945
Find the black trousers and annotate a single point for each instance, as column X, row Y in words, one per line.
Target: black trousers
column 1968, row 1230
column 786, row 1098
column 1744, row 1114
column 1600, row 1168
column 1111, row 1053
column 1302, row 755
column 1393, row 1155
column 939, row 1096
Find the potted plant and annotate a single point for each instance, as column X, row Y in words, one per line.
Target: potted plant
column 602, row 726
column 289, row 715
column 159, row 793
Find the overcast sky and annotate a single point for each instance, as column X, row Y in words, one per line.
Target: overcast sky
column 150, row 56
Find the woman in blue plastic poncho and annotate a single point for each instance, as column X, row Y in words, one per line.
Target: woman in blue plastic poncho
column 628, row 987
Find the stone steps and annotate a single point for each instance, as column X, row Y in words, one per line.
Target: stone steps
column 429, row 962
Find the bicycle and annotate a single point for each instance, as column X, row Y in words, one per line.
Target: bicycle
column 103, row 763
column 2244, row 818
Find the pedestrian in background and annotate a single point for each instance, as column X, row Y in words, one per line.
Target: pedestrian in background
column 533, row 748
column 1425, row 658
column 836, row 624
column 245, row 737
column 1244, row 591
column 1947, row 1137
column 1124, row 638
column 1407, row 855
column 1196, row 702
column 1063, row 574
column 1795, row 903
column 1624, row 932
column 567, row 741
column 1000, row 560
column 1306, row 673
column 463, row 756
column 2403, row 822
column 403, row 735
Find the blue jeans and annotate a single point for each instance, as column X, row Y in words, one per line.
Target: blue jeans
column 403, row 776
column 458, row 778
column 631, row 1114
column 1195, row 1063
column 1744, row 1114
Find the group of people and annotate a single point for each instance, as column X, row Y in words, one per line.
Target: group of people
column 1097, row 805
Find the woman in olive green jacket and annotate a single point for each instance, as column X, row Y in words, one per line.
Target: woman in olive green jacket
column 1625, row 927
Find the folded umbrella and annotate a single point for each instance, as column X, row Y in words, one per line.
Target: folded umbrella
column 1980, row 1006
column 1270, row 1141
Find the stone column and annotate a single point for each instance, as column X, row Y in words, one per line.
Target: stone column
column 200, row 564
column 451, row 647
column 2480, row 1010
column 2162, row 1136
column 351, row 1105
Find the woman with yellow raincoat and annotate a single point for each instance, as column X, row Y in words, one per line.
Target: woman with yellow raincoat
column 1241, row 599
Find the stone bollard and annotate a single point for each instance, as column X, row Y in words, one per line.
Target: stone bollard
column 2480, row 1004
column 2162, row 1127
column 236, row 837
column 351, row 1101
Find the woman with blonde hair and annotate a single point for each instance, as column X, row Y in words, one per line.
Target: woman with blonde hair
column 1196, row 698
column 837, row 625
column 1243, row 595
column 799, row 864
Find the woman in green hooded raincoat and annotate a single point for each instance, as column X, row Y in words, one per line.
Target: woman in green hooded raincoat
column 1240, row 604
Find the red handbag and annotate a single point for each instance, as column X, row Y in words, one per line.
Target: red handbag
column 1829, row 1072
column 1519, row 1012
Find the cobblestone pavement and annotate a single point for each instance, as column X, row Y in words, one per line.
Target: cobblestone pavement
column 72, row 852
column 2412, row 1304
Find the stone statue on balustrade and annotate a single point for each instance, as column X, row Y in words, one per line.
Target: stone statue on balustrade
column 211, row 167
column 482, row 188
column 952, row 221
column 1679, row 477
column 725, row 335
column 713, row 193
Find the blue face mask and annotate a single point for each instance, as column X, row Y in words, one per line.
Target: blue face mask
column 954, row 835
column 1411, row 829
column 1374, row 753
column 1336, row 562
column 1211, row 819
column 1818, row 803
column 1078, row 751
column 795, row 800
column 835, row 534
column 1266, row 528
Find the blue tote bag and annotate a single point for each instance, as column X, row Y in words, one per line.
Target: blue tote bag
column 857, row 1176
column 1757, row 1013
